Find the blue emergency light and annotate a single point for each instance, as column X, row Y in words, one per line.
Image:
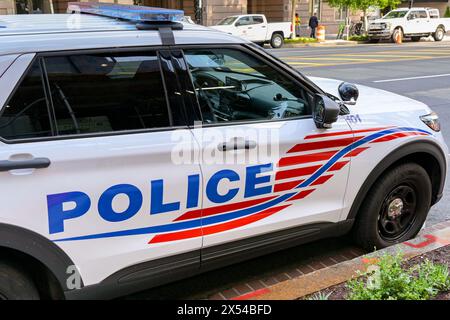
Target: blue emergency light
column 139, row 14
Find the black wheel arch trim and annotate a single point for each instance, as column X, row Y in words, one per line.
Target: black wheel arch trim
column 424, row 146
column 38, row 247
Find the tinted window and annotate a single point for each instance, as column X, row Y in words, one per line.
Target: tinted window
column 244, row 21
column 396, row 14
column 234, row 86
column 107, row 92
column 258, row 19
column 422, row 14
column 26, row 113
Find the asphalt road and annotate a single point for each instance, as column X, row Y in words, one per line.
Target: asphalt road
column 420, row 71
column 370, row 65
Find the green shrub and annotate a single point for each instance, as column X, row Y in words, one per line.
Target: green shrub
column 320, row 296
column 447, row 13
column 389, row 281
column 301, row 40
column 358, row 38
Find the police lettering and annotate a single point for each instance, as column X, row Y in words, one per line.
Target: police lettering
column 256, row 183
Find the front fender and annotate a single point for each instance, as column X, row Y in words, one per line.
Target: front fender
column 427, row 147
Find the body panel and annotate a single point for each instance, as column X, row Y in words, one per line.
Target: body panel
column 140, row 248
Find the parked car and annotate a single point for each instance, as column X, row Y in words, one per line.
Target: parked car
column 255, row 28
column 100, row 196
column 413, row 23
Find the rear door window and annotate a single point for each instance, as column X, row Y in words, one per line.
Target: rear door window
column 257, row 19
column 26, row 114
column 97, row 93
column 422, row 14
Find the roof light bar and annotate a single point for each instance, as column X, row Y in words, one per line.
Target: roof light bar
column 127, row 12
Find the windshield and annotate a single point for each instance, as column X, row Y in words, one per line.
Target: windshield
column 396, row 14
column 227, row 21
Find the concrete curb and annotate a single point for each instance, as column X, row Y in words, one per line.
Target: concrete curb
column 318, row 280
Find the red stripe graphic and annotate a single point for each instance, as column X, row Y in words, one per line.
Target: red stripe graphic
column 218, row 227
column 398, row 135
column 338, row 165
column 221, row 209
column 301, row 195
column 341, row 133
column 286, row 174
column 321, row 180
column 252, row 294
column 305, row 158
column 323, row 144
column 355, row 152
column 286, row 185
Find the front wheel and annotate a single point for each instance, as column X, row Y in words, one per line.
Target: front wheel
column 439, row 34
column 277, row 41
column 395, row 208
column 15, row 284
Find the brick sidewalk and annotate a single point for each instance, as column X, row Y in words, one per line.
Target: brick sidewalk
column 313, row 263
column 258, row 274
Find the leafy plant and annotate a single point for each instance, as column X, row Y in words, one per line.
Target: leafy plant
column 447, row 13
column 301, row 40
column 389, row 281
column 320, row 296
column 358, row 38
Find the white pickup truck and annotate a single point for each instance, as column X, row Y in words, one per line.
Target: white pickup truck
column 255, row 28
column 412, row 23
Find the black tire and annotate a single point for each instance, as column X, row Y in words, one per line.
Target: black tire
column 394, row 34
column 276, row 41
column 415, row 39
column 374, row 40
column 15, row 284
column 370, row 229
column 439, row 34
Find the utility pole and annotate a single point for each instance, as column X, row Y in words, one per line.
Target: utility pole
column 198, row 11
column 294, row 8
column 411, row 3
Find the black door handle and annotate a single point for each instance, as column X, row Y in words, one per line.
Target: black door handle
column 36, row 163
column 237, row 144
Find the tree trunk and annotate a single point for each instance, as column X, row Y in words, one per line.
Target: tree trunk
column 347, row 23
column 366, row 22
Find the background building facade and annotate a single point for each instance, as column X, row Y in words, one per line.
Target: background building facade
column 209, row 12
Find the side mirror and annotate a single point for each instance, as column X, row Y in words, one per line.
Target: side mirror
column 349, row 93
column 325, row 112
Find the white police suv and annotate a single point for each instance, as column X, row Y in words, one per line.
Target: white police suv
column 136, row 150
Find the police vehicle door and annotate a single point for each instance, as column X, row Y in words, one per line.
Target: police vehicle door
column 261, row 153
column 96, row 174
